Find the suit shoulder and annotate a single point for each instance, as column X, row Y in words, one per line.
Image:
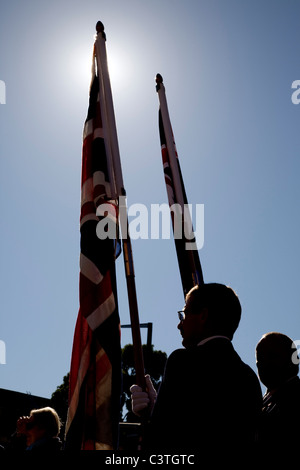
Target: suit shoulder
column 178, row 355
column 177, row 359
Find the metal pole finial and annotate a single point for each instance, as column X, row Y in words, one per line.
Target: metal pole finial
column 158, row 80
column 100, row 29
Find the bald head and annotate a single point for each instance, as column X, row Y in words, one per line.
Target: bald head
column 276, row 358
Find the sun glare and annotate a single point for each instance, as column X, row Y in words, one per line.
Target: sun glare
column 120, row 69
column 81, row 64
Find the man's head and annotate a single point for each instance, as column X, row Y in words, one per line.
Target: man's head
column 210, row 309
column 43, row 422
column 276, row 359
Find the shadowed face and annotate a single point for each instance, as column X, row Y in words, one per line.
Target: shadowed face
column 192, row 326
column 34, row 433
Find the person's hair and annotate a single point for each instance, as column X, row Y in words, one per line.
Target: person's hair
column 224, row 308
column 47, row 418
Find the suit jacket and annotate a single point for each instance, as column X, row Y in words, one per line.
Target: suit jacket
column 280, row 418
column 208, row 397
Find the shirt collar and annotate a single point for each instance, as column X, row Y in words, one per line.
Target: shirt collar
column 210, row 338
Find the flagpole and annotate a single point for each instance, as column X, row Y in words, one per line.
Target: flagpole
column 192, row 256
column 104, row 80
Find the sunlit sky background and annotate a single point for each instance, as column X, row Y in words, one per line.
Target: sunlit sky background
column 228, row 67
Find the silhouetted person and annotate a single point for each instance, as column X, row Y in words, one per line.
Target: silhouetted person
column 41, row 429
column 278, row 368
column 209, row 398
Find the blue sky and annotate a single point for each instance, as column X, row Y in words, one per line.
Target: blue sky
column 228, row 67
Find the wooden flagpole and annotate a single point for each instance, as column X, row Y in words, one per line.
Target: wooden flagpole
column 104, row 83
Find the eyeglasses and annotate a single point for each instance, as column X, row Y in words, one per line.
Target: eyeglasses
column 186, row 312
column 181, row 315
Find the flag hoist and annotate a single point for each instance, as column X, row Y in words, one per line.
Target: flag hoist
column 95, row 374
column 185, row 243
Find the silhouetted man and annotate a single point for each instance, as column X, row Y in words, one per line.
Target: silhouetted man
column 278, row 368
column 209, row 398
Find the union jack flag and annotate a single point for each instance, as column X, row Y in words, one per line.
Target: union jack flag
column 95, row 375
column 188, row 260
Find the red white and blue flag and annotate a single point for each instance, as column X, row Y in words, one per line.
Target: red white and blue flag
column 188, row 259
column 95, row 375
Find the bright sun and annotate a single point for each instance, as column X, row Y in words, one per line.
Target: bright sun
column 120, row 66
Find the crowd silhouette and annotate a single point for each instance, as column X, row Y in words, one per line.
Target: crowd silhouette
column 208, row 397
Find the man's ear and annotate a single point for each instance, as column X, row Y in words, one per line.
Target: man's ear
column 203, row 315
